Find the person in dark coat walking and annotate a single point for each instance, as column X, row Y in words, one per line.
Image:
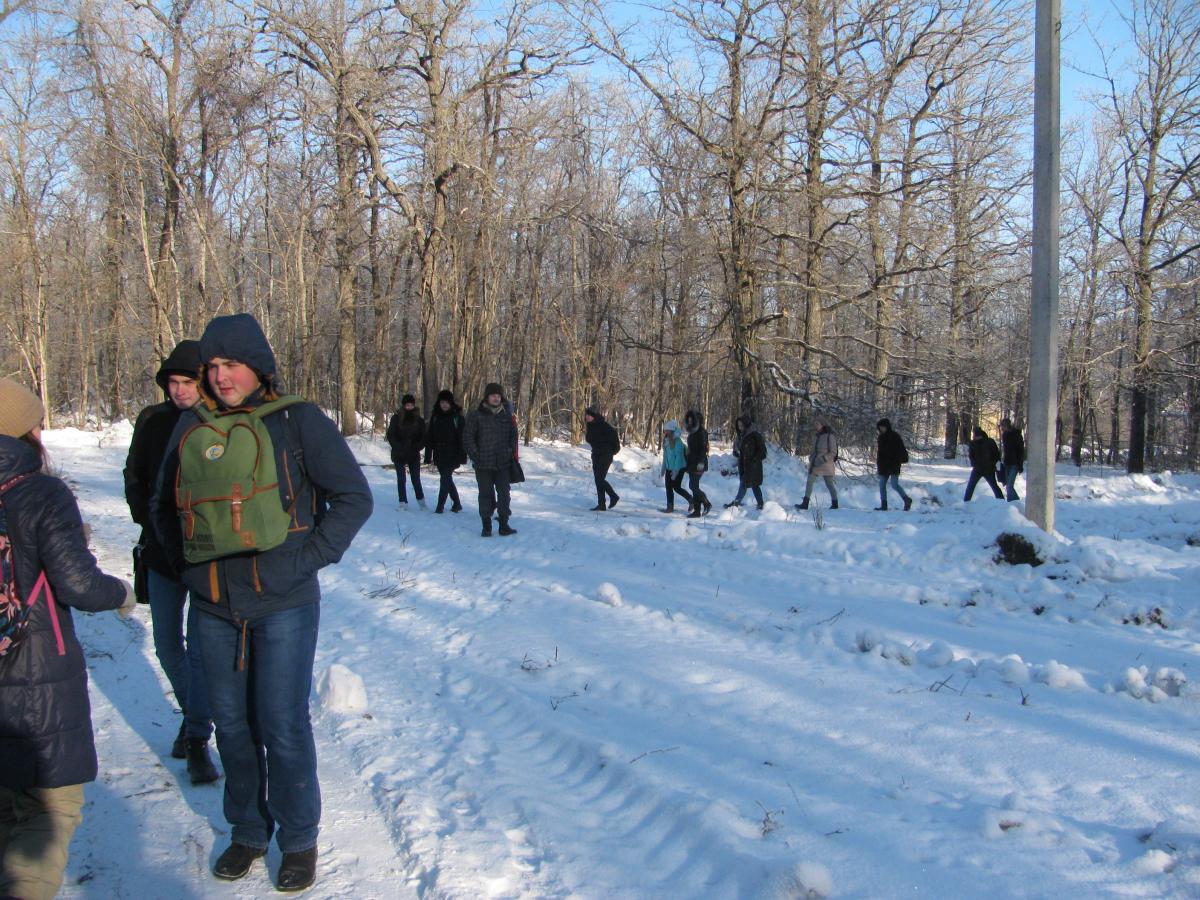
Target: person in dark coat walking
column 406, row 437
column 750, row 450
column 605, row 444
column 178, row 377
column 260, row 609
column 1012, row 457
column 47, row 749
column 490, row 438
column 444, row 447
column 890, row 455
column 984, row 454
column 697, row 461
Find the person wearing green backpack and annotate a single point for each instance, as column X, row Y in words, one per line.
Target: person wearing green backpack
column 265, row 493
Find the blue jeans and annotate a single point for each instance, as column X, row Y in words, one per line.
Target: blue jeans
column 741, row 493
column 973, row 479
column 264, row 733
column 895, row 482
column 413, row 465
column 1010, row 482
column 181, row 665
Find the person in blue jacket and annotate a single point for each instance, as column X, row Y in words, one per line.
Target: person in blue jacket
column 259, row 610
column 47, row 750
column 674, row 464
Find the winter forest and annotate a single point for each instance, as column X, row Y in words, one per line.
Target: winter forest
column 776, row 206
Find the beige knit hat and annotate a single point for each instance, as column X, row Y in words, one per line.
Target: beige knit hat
column 20, row 409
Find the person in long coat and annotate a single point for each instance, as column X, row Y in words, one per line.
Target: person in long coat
column 750, row 450
column 605, row 444
column 47, row 749
column 822, row 462
column 444, row 447
column 984, row 454
column 406, row 437
column 890, row 455
column 674, row 465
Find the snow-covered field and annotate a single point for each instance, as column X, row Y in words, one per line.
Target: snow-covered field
column 759, row 704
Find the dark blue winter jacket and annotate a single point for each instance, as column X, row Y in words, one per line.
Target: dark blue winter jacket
column 316, row 469
column 45, row 718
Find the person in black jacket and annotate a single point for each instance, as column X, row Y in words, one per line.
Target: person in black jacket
column 1012, row 446
column 259, row 610
column 490, row 438
column 47, row 749
column 697, row 461
column 605, row 444
column 444, row 447
column 750, row 450
column 890, row 455
column 406, row 436
column 177, row 376
column 984, row 454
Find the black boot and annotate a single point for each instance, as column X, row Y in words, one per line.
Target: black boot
column 235, row 861
column 694, row 512
column 733, row 503
column 707, row 506
column 612, row 501
column 506, row 529
column 298, row 870
column 599, row 507
column 882, row 508
column 179, row 746
column 487, row 528
column 803, row 504
column 199, row 764
column 907, row 503
column 833, row 504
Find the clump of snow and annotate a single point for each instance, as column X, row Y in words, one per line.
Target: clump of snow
column 1154, row 862
column 341, row 690
column 608, row 594
column 773, row 512
column 1165, row 683
column 805, row 881
column 1056, row 675
column 936, row 655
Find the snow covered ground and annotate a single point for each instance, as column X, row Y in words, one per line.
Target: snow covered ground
column 759, row 704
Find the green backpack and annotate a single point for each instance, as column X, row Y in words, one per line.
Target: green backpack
column 227, row 486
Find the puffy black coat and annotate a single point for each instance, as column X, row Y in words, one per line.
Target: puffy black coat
column 1013, row 445
column 697, row 442
column 603, row 439
column 406, row 436
column 490, row 437
column 984, row 454
column 151, row 436
column 45, row 718
column 444, row 438
column 890, row 453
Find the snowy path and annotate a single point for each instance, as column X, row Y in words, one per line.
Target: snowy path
column 632, row 705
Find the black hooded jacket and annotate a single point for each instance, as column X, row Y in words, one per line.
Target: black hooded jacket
column 890, row 452
column 444, row 437
column 45, row 719
column 602, row 438
column 697, row 442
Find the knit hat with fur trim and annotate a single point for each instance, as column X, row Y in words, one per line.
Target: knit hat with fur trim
column 20, row 409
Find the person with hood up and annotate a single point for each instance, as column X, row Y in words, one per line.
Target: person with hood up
column 406, row 437
column 697, row 461
column 260, row 609
column 444, row 447
column 490, row 438
column 47, row 749
column 750, row 450
column 605, row 444
column 984, row 455
column 822, row 462
column 890, row 455
column 674, row 465
column 1012, row 451
column 178, row 377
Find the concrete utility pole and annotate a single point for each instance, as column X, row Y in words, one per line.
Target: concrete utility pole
column 1043, row 309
